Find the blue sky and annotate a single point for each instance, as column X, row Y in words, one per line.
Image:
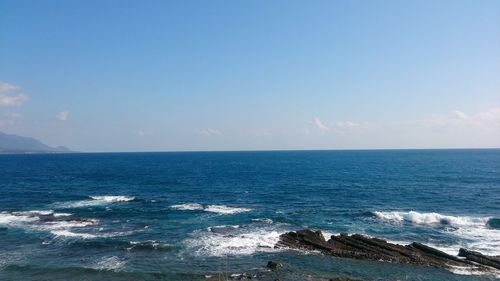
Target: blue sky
column 246, row 75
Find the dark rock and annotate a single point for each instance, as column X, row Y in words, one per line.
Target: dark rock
column 303, row 239
column 274, row 265
column 431, row 251
column 480, row 258
column 361, row 247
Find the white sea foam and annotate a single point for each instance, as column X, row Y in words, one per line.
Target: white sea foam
column 9, row 219
column 263, row 220
column 222, row 228
column 187, row 207
column 239, row 241
column 112, row 199
column 328, row 234
column 95, row 201
column 112, row 263
column 47, row 220
column 462, row 270
column 70, row 224
column 37, row 212
column 67, row 233
column 25, row 217
column 225, row 210
column 62, row 215
column 432, row 218
column 473, row 232
column 218, row 209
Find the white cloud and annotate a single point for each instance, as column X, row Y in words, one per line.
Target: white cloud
column 322, row 127
column 492, row 114
column 351, row 125
column 11, row 95
column 4, row 87
column 210, row 132
column 460, row 115
column 459, row 119
column 63, row 116
column 140, row 133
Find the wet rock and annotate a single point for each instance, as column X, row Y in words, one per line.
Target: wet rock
column 357, row 246
column 480, row 258
column 274, row 265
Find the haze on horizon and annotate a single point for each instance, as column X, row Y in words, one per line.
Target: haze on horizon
column 251, row 75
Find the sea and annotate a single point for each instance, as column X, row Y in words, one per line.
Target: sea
column 218, row 215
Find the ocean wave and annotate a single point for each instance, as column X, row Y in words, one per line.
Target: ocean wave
column 461, row 270
column 263, row 220
column 218, row 209
column 225, row 210
column 62, row 215
column 493, row 223
column 25, row 217
column 238, row 242
column 94, row 201
column 222, row 228
column 474, row 233
column 8, row 219
column 121, row 244
column 150, row 245
column 49, row 221
column 67, row 233
column 431, row 218
column 112, row 263
column 188, row 207
column 64, row 224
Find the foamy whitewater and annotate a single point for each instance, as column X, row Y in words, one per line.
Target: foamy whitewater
column 233, row 241
column 473, row 232
column 94, row 201
column 218, row 209
column 195, row 216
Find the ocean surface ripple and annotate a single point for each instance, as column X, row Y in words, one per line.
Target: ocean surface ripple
column 185, row 216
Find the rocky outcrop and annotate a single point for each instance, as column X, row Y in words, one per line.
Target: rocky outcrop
column 357, row 246
column 480, row 258
column 274, row 265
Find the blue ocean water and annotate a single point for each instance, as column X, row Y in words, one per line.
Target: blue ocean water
column 192, row 215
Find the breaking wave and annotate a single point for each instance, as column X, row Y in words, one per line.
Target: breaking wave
column 112, row 263
column 95, row 201
column 432, row 218
column 233, row 241
column 67, row 233
column 225, row 210
column 188, row 207
column 475, row 233
column 23, row 218
column 49, row 221
column 218, row 209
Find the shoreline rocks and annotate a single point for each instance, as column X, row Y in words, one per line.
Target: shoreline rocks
column 358, row 246
column 480, row 258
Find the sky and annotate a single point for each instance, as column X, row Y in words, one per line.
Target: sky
column 251, row 75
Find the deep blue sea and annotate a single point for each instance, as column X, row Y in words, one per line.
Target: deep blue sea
column 192, row 215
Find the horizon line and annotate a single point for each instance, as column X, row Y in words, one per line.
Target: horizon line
column 256, row 150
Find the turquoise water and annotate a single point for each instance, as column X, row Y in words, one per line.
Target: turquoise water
column 185, row 216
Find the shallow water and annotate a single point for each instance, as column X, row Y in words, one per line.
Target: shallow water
column 183, row 216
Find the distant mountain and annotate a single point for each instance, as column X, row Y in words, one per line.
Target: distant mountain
column 18, row 144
